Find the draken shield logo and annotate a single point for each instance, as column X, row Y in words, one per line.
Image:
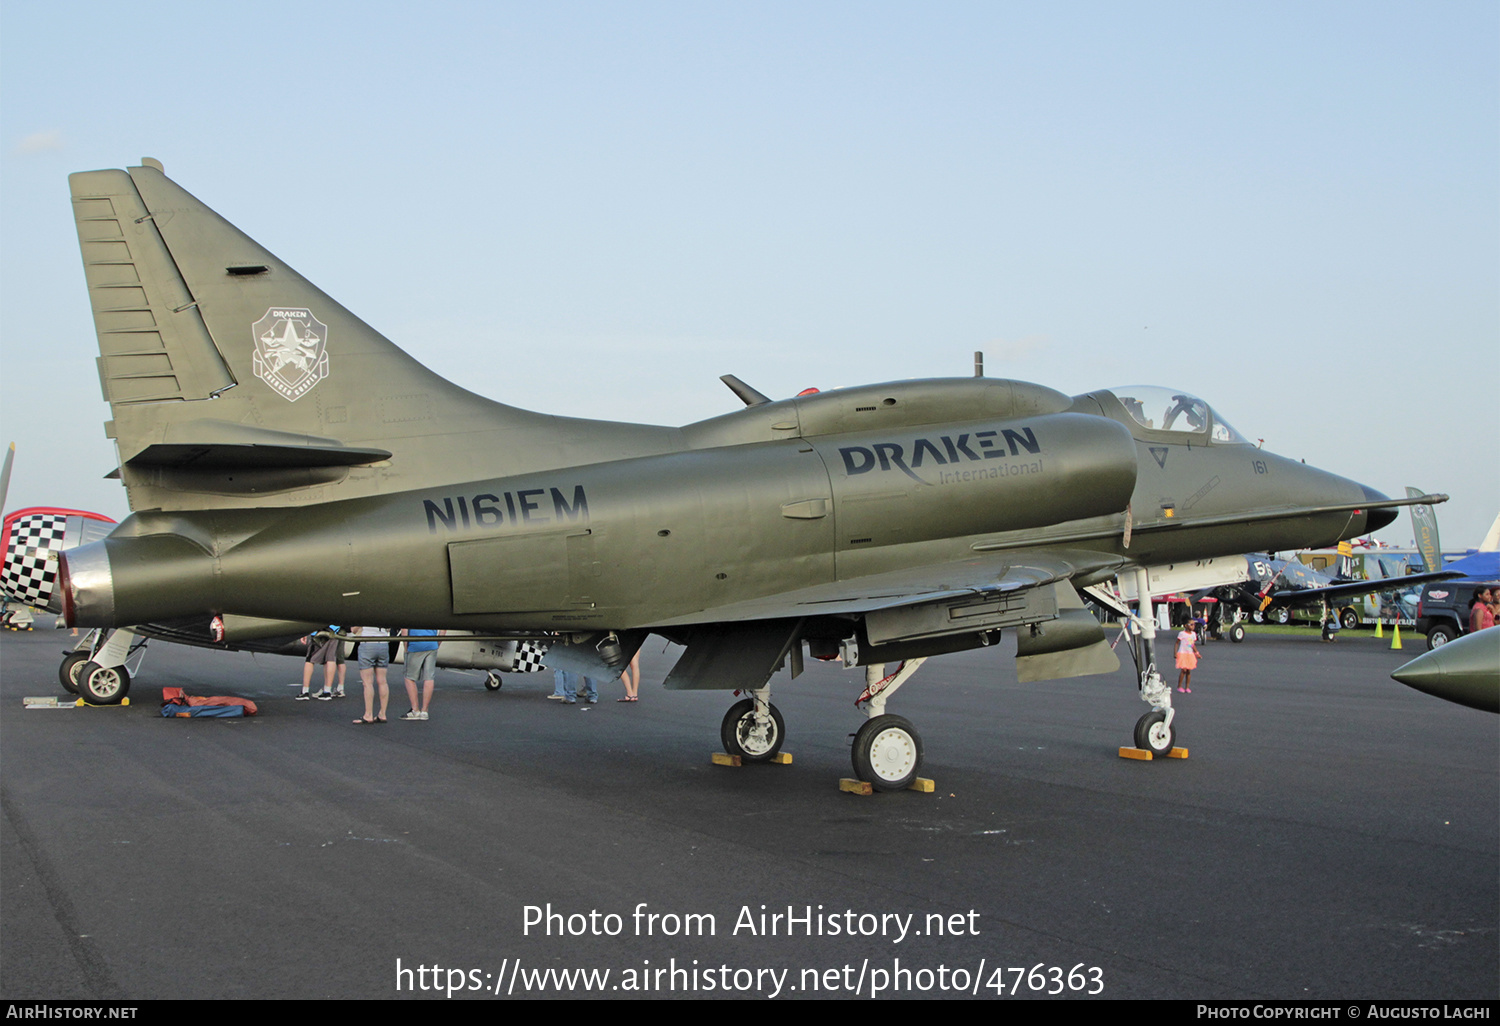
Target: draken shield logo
column 290, row 351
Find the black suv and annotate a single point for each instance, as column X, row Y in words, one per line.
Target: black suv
column 1443, row 609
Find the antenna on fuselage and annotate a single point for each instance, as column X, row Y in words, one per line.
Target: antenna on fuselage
column 978, row 363
column 748, row 395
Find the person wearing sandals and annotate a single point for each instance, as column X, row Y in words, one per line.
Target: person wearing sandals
column 632, row 679
column 374, row 657
column 421, row 666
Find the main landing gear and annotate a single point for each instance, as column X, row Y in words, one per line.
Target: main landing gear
column 753, row 728
column 96, row 670
column 887, row 751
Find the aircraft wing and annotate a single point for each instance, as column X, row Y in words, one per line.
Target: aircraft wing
column 987, row 574
column 1305, row 595
column 740, row 644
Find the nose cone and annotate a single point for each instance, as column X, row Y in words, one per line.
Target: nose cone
column 1466, row 671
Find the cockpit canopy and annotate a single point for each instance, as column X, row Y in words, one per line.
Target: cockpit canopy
column 1166, row 409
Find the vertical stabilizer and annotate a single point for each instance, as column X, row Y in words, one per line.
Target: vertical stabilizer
column 234, row 381
column 153, row 344
column 1492, row 537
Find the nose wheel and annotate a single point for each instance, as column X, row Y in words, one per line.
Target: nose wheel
column 1154, row 733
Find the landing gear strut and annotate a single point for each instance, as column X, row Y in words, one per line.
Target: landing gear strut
column 1153, row 731
column 96, row 670
column 887, row 750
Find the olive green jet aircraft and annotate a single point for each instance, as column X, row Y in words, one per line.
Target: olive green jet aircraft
column 287, row 463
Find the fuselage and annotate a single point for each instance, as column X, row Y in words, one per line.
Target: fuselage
column 774, row 498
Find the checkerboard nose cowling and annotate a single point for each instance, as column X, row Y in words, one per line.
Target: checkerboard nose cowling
column 29, row 574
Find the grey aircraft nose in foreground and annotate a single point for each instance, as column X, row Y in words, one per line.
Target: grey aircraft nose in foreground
column 285, row 461
column 1466, row 671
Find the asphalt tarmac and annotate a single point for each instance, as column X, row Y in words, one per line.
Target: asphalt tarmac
column 1333, row 835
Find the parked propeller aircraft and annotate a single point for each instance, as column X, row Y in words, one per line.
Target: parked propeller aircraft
column 1273, row 588
column 286, row 462
column 30, row 540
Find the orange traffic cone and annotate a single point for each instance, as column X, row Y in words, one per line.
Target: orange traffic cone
column 1395, row 636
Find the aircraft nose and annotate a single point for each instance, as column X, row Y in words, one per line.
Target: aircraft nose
column 1375, row 519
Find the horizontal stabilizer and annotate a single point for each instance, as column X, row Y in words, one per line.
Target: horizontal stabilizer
column 255, row 457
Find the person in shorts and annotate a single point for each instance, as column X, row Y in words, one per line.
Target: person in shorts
column 327, row 653
column 374, row 658
column 421, row 666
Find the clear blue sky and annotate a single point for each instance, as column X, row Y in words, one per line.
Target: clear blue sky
column 1292, row 210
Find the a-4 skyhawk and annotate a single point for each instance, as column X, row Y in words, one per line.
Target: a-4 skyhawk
column 879, row 524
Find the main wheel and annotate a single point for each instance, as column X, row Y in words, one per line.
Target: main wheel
column 493, row 682
column 1349, row 618
column 887, row 753
column 751, row 741
column 103, row 685
column 1257, row 616
column 1237, row 633
column 1441, row 635
column 1153, row 734
column 1279, row 615
column 68, row 673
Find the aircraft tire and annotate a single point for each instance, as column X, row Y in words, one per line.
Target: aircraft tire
column 1349, row 618
column 1257, row 616
column 1153, row 734
column 1440, row 636
column 740, row 737
column 887, row 753
column 492, row 681
column 69, row 671
column 1280, row 615
column 103, row 685
column 1237, row 633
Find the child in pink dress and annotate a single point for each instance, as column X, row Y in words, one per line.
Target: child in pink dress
column 1187, row 657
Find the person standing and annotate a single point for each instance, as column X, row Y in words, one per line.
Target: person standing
column 1481, row 613
column 421, row 666
column 632, row 679
column 569, row 683
column 320, row 653
column 374, row 658
column 1187, row 657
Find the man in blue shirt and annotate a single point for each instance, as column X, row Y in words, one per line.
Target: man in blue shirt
column 421, row 665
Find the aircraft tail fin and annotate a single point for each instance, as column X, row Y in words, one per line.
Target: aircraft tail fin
column 233, row 380
column 1492, row 537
